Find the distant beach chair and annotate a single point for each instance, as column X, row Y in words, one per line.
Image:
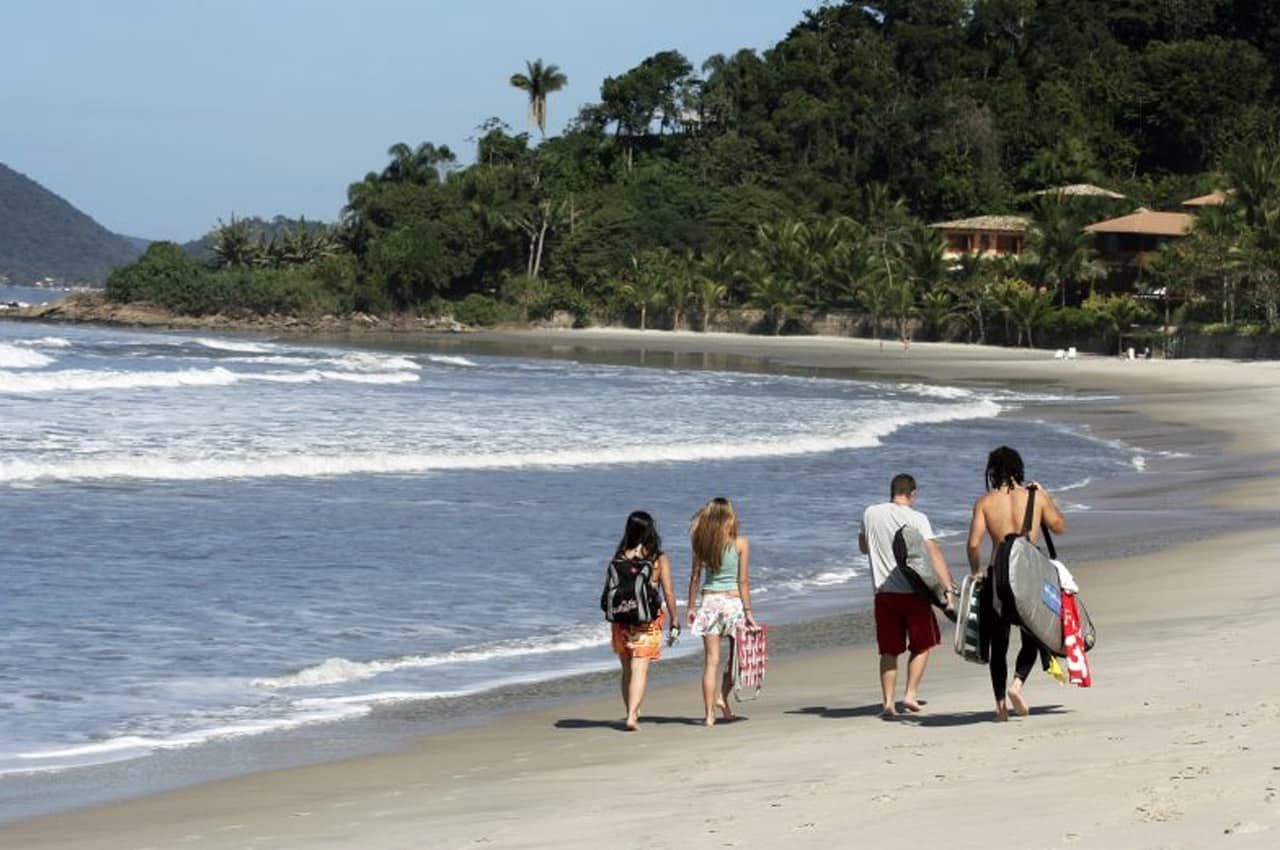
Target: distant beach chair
column 1071, row 353
column 1060, row 354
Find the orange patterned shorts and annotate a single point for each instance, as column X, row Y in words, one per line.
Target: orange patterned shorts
column 639, row 641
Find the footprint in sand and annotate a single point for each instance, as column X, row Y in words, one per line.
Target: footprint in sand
column 1245, row 828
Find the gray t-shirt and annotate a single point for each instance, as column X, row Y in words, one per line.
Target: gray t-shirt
column 879, row 524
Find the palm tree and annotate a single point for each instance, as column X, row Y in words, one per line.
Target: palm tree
column 973, row 284
column 709, row 293
column 1026, row 306
column 774, row 293
column 1117, row 312
column 1060, row 250
column 538, row 82
column 236, row 244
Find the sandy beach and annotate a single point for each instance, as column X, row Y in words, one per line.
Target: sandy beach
column 1176, row 746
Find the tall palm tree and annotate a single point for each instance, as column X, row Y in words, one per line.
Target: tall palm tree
column 538, row 82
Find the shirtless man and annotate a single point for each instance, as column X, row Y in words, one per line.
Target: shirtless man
column 998, row 513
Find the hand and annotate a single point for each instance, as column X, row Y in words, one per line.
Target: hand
column 692, row 614
column 751, row 621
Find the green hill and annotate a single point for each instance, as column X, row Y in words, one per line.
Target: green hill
column 41, row 235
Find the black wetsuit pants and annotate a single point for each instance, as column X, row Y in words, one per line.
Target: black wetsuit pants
column 994, row 637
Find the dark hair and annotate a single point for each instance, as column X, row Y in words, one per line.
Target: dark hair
column 1004, row 468
column 901, row 485
column 641, row 531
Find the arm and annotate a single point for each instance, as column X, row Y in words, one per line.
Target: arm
column 695, row 573
column 668, row 592
column 862, row 543
column 1049, row 513
column 744, row 580
column 977, row 531
column 940, row 567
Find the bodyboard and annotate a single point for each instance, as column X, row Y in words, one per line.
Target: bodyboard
column 1027, row 592
column 968, row 626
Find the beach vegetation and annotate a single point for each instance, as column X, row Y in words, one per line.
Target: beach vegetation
column 802, row 179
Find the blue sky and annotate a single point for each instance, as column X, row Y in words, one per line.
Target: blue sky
column 157, row 117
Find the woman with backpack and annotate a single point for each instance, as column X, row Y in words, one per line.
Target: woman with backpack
column 720, row 565
column 635, row 610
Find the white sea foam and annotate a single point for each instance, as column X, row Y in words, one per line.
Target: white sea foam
column 124, row 747
column 79, row 380
column 340, row 670
column 450, row 360
column 938, row 391
column 1139, row 463
column 234, row 345
column 45, row 342
column 315, row 466
column 13, row 357
column 1076, row 485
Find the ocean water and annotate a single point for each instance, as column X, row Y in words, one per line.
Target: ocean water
column 206, row 538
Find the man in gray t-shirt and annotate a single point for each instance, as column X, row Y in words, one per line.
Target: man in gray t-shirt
column 904, row 619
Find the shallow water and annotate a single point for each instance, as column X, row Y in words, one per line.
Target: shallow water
column 209, row 538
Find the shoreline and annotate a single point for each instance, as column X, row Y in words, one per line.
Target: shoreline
column 940, row 363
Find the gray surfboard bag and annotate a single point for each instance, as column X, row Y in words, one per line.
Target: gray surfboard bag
column 913, row 561
column 1027, row 591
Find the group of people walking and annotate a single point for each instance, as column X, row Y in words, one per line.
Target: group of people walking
column 719, row 599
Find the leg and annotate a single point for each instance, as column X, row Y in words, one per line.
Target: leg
column 999, row 664
column 710, row 661
column 1023, row 664
column 626, row 681
column 923, row 635
column 635, row 691
column 916, row 663
column 726, row 684
column 888, row 681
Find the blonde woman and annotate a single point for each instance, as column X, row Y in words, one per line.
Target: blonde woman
column 720, row 568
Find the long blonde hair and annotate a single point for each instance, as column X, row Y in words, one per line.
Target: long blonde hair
column 710, row 532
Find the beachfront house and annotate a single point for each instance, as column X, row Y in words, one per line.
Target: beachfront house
column 984, row 236
column 1216, row 198
column 1129, row 243
column 1081, row 190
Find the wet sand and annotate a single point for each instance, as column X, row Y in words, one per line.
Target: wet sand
column 1175, row 746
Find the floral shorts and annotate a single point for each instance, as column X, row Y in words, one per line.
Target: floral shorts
column 639, row 641
column 718, row 614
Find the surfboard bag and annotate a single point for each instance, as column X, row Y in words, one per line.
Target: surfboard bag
column 1026, row 589
column 913, row 562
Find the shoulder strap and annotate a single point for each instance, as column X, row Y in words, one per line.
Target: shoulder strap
column 1030, row 515
column 1030, row 518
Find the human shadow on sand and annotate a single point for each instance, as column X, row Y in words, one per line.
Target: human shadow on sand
column 924, row 718
column 969, row 718
column 834, row 713
column 645, row 720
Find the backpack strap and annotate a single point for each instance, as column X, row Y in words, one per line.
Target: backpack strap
column 1029, row 518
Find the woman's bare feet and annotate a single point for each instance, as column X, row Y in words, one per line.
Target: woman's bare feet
column 913, row 705
column 709, row 720
column 726, row 712
column 631, row 724
column 1015, row 697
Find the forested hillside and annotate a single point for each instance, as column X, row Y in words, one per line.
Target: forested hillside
column 41, row 235
column 803, row 177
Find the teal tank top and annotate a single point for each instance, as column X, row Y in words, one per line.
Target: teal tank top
column 726, row 578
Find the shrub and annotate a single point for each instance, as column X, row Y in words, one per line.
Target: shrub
column 477, row 309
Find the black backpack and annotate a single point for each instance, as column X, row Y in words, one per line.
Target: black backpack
column 628, row 597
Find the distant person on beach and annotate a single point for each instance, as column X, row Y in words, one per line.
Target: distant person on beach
column 996, row 514
column 721, row 559
column 638, row 645
column 904, row 619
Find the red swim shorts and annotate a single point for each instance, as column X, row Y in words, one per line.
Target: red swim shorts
column 905, row 620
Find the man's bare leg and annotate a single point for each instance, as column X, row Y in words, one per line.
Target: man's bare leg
column 916, row 663
column 1015, row 698
column 888, row 681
